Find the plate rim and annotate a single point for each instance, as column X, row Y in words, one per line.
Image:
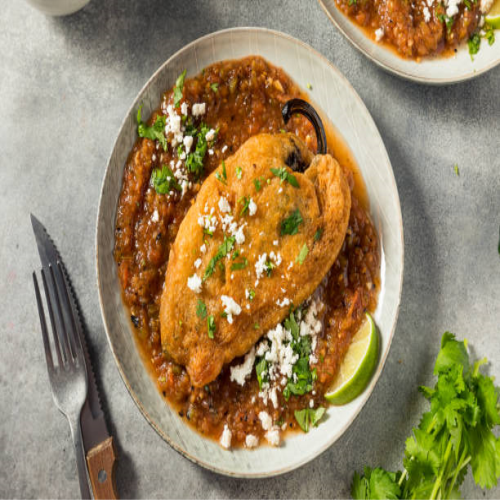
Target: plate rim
column 381, row 365
column 403, row 74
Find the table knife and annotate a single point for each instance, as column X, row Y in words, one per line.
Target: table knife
column 98, row 444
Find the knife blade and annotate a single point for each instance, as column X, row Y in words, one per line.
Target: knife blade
column 97, row 441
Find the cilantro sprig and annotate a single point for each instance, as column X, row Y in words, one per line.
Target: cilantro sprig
column 309, row 417
column 179, row 85
column 283, row 174
column 155, row 132
column 457, row 432
column 163, row 180
column 225, row 247
column 290, row 225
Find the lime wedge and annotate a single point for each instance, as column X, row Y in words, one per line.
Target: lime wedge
column 493, row 16
column 358, row 365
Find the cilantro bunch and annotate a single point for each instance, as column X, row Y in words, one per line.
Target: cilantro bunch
column 456, row 433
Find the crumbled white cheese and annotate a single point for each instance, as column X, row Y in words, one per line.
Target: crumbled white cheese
column 485, row 5
column 240, row 235
column 275, row 243
column 203, row 248
column 265, row 420
column 211, row 152
column 224, row 149
column 226, row 436
column 230, row 307
column 260, row 265
column 224, row 205
column 197, row 263
column 194, row 283
column 188, row 142
column 184, row 108
column 273, row 436
column 311, row 403
column 427, row 14
column 241, row 372
column 283, row 303
column 155, row 217
column 452, row 7
column 379, row 34
column 198, row 109
column 252, row 207
column 251, row 441
column 273, row 396
column 210, row 135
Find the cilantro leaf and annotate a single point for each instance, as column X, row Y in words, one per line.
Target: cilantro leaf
column 452, row 353
column 214, row 87
column 257, row 185
column 201, row 310
column 302, row 254
column 194, row 160
column 239, row 172
column 318, row 234
column 383, row 485
column 239, row 265
column 211, row 327
column 163, row 180
column 290, row 225
column 285, row 175
column 474, row 44
column 261, row 371
column 156, row 132
column 359, row 487
column 179, row 85
column 309, row 417
column 225, row 247
column 245, row 201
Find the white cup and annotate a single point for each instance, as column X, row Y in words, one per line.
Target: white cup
column 58, row 7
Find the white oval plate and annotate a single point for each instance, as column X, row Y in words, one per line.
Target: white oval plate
column 434, row 71
column 338, row 100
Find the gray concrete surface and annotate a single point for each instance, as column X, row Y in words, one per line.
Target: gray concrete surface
column 65, row 85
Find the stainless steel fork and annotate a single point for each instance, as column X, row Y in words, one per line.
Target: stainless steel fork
column 67, row 373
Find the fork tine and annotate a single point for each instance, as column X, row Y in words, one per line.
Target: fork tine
column 60, row 315
column 73, row 330
column 52, row 321
column 43, row 323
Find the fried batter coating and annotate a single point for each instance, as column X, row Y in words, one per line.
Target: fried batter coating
column 219, row 285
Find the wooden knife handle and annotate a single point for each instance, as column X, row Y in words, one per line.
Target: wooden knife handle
column 101, row 464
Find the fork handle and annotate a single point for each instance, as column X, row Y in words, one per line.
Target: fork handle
column 76, row 433
column 101, row 461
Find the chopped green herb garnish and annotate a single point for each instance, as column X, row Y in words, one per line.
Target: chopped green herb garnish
column 489, row 34
column 201, row 310
column 223, row 314
column 468, row 4
column 239, row 172
column 179, row 85
column 214, row 87
column 251, row 294
column 163, row 180
column 235, row 255
column 211, row 326
column 261, row 370
column 317, row 234
column 239, row 265
column 351, row 2
column 245, row 201
column 256, row 326
column 224, row 173
column 257, row 185
column 310, row 417
column 474, row 44
column 282, row 130
column 269, row 265
column 302, row 254
column 290, row 225
column 285, row 175
column 456, row 170
column 447, row 20
column 156, row 132
column 194, row 161
column 223, row 250
column 220, row 178
column 309, row 86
